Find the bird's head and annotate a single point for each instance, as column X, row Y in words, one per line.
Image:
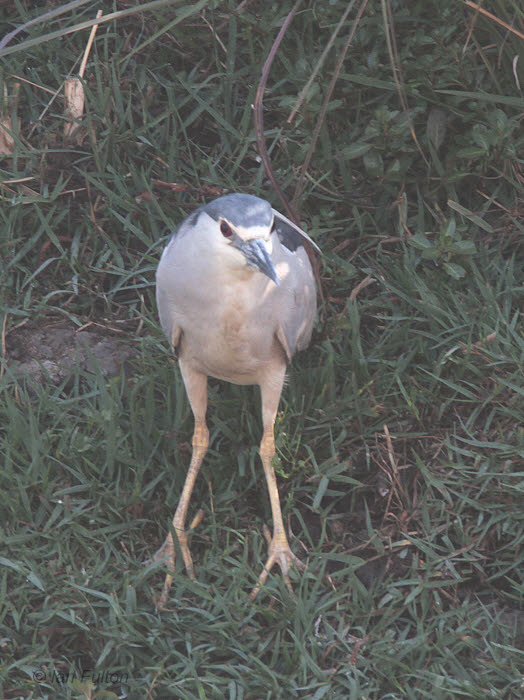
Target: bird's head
column 242, row 228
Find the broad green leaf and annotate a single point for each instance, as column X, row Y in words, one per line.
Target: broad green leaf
column 454, row 270
column 420, row 242
column 355, row 150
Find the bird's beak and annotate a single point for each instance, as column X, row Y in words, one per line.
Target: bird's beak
column 257, row 256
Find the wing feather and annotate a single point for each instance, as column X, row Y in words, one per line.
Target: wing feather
column 282, row 222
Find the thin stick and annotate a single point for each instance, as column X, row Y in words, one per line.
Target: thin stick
column 29, row 82
column 397, row 71
column 259, row 116
column 321, row 60
column 4, row 348
column 325, row 105
column 88, row 46
column 495, row 19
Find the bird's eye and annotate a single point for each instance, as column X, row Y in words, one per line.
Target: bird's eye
column 225, row 229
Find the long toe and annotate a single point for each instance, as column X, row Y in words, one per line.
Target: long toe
column 281, row 554
column 166, row 553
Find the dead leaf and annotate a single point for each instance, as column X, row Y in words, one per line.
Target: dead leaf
column 74, row 106
column 7, row 142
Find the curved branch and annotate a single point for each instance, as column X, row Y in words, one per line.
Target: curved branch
column 259, row 115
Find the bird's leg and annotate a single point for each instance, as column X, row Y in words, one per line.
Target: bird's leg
column 279, row 550
column 196, row 387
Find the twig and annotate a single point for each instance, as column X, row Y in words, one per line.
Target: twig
column 4, row 347
column 30, row 82
column 358, row 644
column 484, row 12
column 470, row 33
column 48, row 106
column 360, row 286
column 396, row 70
column 391, row 454
column 259, row 115
column 320, row 61
column 325, row 105
column 88, row 46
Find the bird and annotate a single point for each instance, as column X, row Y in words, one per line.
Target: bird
column 236, row 298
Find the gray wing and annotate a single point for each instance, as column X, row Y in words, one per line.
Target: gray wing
column 299, row 295
column 163, row 276
column 290, row 234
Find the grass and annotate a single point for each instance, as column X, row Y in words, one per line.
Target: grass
column 400, row 433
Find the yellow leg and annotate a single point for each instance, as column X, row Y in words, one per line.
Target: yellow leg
column 196, row 387
column 279, row 550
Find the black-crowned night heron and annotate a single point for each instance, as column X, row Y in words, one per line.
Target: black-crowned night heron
column 237, row 298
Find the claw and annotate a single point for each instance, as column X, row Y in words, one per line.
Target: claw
column 281, row 554
column 167, row 554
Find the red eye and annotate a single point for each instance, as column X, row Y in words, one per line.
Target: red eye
column 225, row 229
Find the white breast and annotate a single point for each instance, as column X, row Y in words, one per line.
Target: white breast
column 229, row 313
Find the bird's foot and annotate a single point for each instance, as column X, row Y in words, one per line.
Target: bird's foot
column 167, row 554
column 279, row 553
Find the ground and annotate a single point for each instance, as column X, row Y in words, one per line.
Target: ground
column 399, row 435
column 47, row 352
